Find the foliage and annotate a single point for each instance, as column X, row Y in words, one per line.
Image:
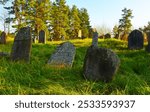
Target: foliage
column 146, row 28
column 60, row 20
column 103, row 29
column 3, row 1
column 116, row 31
column 125, row 22
column 75, row 22
column 55, row 18
column 37, row 77
column 85, row 23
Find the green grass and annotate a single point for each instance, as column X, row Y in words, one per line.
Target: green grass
column 36, row 77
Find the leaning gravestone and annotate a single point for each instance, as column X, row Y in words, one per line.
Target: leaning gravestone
column 3, row 38
column 95, row 39
column 21, row 49
column 100, row 64
column 42, row 38
column 135, row 40
column 63, row 56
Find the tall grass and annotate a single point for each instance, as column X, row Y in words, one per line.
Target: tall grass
column 36, row 77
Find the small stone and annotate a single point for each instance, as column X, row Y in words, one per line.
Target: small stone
column 4, row 54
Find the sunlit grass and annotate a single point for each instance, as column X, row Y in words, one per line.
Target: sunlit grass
column 36, row 77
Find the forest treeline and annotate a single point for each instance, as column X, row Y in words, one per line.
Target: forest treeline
column 60, row 21
column 56, row 18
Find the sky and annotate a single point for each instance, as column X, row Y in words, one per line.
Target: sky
column 108, row 12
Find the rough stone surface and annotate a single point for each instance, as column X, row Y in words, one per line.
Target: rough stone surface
column 4, row 54
column 42, row 38
column 100, row 64
column 21, row 49
column 63, row 56
column 107, row 36
column 135, row 40
column 95, row 39
column 3, row 38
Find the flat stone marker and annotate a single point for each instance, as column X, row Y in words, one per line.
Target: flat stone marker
column 100, row 64
column 63, row 56
column 135, row 40
column 21, row 48
column 3, row 38
column 42, row 38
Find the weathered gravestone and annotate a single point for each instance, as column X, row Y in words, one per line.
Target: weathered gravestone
column 3, row 38
column 21, row 48
column 148, row 46
column 107, row 36
column 63, row 56
column 4, row 54
column 135, row 40
column 100, row 64
column 42, row 38
column 95, row 38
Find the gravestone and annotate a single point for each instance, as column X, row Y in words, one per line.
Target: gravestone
column 148, row 46
column 42, row 38
column 100, row 64
column 107, row 36
column 135, row 40
column 80, row 33
column 4, row 54
column 21, row 48
column 3, row 38
column 101, row 37
column 63, row 56
column 95, row 38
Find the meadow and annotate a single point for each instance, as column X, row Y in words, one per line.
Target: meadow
column 37, row 78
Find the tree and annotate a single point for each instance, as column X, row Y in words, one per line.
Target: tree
column 38, row 15
column 60, row 20
column 3, row 1
column 74, row 22
column 116, row 31
column 33, row 13
column 85, row 23
column 146, row 28
column 2, row 19
column 125, row 22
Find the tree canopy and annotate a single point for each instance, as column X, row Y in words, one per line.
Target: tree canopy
column 56, row 18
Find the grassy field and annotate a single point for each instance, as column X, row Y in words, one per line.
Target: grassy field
column 36, row 77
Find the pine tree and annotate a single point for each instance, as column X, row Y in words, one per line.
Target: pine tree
column 3, row 1
column 125, row 22
column 74, row 22
column 146, row 28
column 85, row 23
column 60, row 20
column 116, row 31
column 38, row 15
